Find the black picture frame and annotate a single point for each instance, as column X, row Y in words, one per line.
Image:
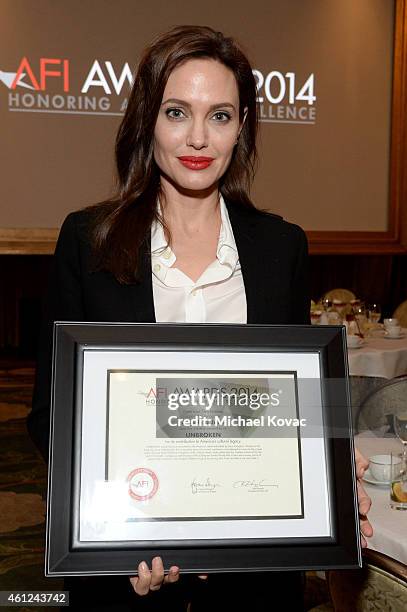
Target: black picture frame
column 66, row 555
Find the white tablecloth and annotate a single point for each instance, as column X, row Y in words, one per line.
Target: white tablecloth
column 390, row 526
column 381, row 357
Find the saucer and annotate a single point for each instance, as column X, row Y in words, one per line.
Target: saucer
column 368, row 477
column 360, row 345
column 394, row 337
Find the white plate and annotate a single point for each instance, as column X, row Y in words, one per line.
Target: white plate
column 371, row 480
column 393, row 337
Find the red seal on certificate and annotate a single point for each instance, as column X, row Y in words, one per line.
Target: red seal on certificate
column 143, row 484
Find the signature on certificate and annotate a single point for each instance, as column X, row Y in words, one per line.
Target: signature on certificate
column 253, row 484
column 204, row 485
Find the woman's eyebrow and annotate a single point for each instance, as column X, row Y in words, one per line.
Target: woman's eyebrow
column 184, row 103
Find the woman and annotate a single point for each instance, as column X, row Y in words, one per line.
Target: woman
column 181, row 241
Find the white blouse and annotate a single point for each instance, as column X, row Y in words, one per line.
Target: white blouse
column 218, row 296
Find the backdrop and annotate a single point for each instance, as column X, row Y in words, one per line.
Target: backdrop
column 323, row 68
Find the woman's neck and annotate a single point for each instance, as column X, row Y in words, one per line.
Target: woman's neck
column 189, row 210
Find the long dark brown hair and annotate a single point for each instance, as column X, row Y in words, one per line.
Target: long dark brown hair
column 123, row 223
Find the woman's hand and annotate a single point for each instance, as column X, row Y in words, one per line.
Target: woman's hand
column 364, row 501
column 147, row 580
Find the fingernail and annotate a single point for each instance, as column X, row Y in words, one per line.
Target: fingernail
column 143, row 566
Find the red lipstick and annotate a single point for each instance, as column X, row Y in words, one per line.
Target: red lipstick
column 195, row 163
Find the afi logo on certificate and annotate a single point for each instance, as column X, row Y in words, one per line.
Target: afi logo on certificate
column 143, row 484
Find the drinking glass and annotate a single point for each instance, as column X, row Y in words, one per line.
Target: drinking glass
column 360, row 316
column 398, row 484
column 327, row 304
column 400, row 429
column 334, row 318
column 374, row 312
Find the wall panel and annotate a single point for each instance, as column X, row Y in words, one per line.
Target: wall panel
column 331, row 159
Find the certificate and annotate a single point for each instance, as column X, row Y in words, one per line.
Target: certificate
column 188, row 437
column 226, row 464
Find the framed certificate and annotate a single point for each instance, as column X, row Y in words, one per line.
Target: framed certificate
column 217, row 447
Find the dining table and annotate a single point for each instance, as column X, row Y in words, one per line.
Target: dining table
column 378, row 359
column 379, row 356
column 389, row 525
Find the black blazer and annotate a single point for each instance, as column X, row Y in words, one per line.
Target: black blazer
column 273, row 258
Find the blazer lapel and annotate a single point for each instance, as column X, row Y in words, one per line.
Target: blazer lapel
column 142, row 292
column 259, row 278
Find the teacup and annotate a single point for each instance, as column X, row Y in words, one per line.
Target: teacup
column 390, row 323
column 353, row 341
column 380, row 467
column 394, row 331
